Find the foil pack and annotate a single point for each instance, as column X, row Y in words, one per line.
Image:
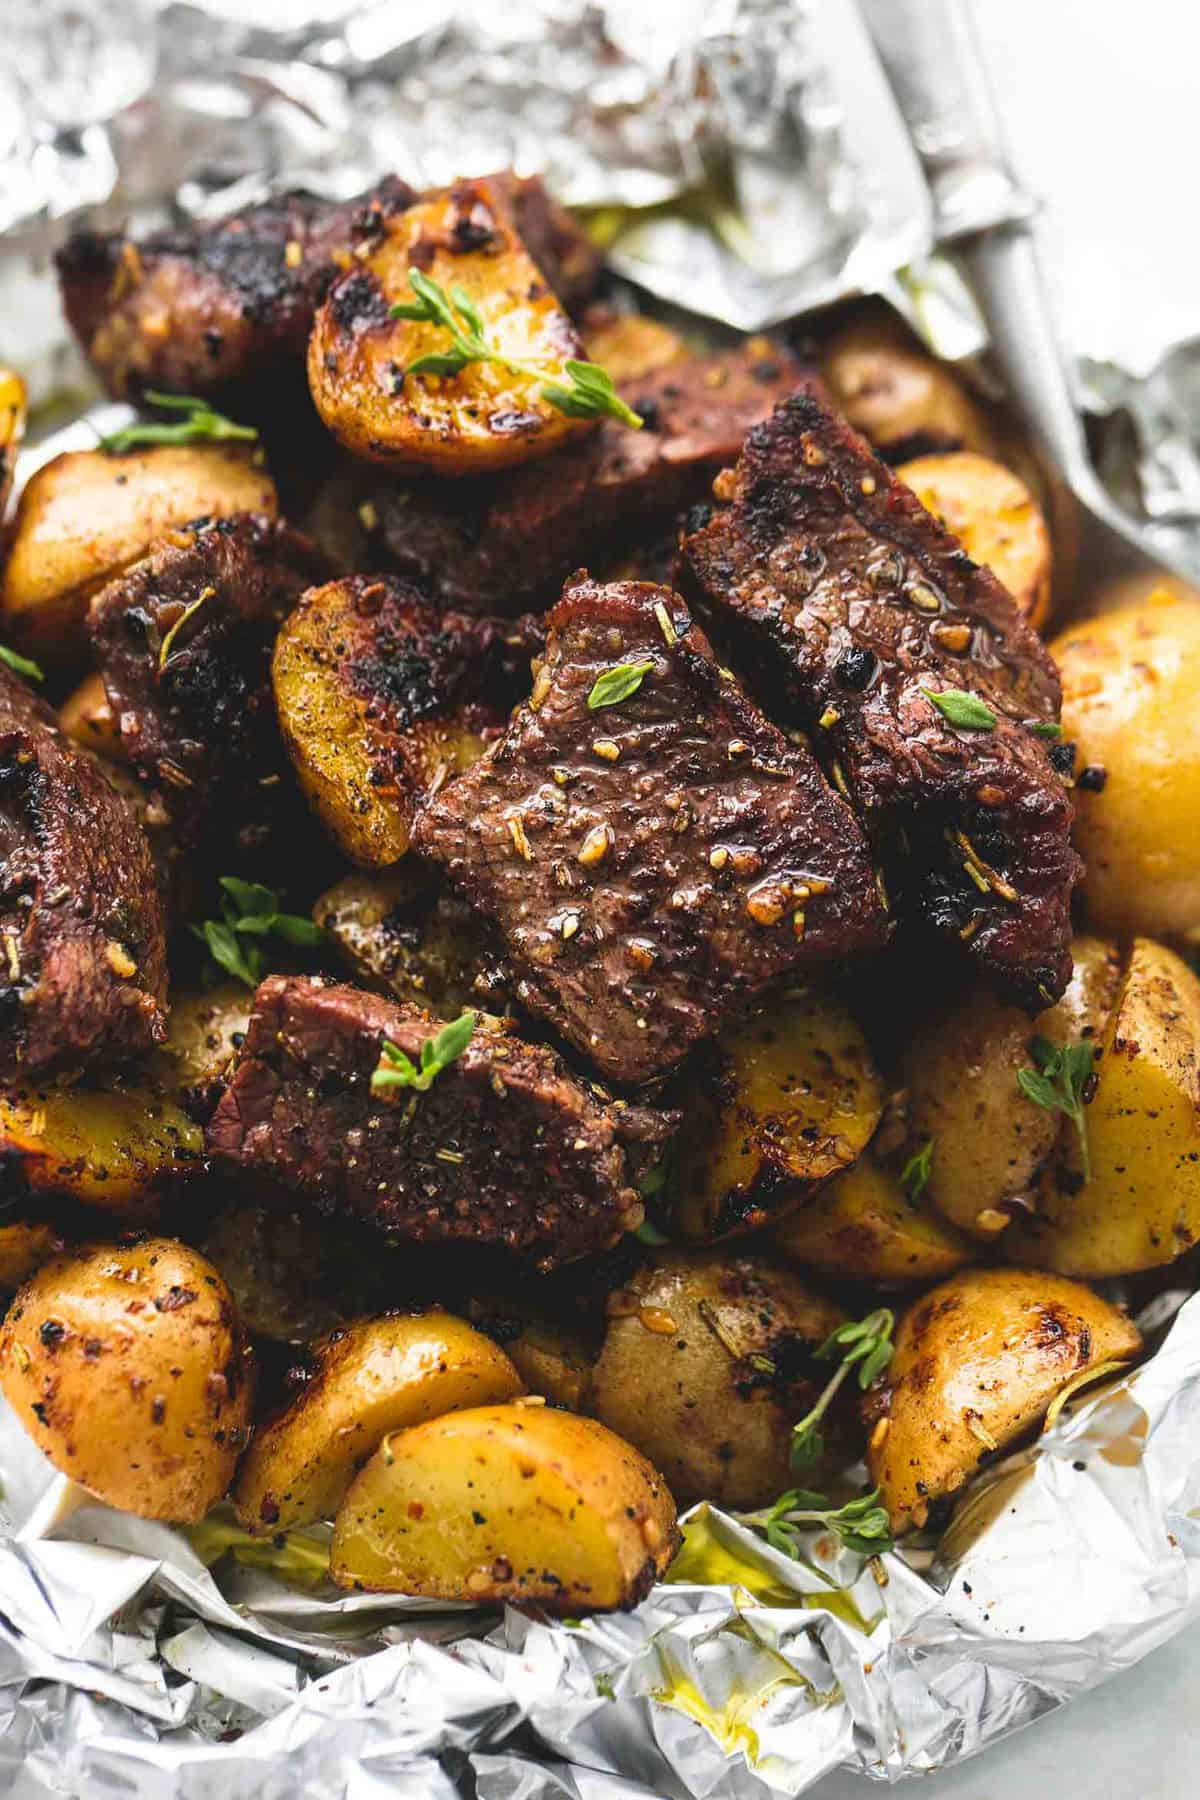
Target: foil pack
column 743, row 159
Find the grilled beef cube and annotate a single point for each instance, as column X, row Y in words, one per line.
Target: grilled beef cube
column 650, row 846
column 510, row 541
column 184, row 640
column 199, row 306
column 83, row 962
column 505, row 1148
column 854, row 604
column 556, row 241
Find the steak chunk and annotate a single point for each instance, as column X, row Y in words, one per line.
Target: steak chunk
column 649, row 861
column 510, row 541
column 184, row 639
column 505, row 1148
column 83, row 962
column 196, row 307
column 854, row 604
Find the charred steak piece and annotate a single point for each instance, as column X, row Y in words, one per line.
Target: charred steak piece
column 511, row 541
column 505, row 1148
column 183, row 640
column 558, row 244
column 855, row 605
column 83, row 961
column 196, row 307
column 650, row 846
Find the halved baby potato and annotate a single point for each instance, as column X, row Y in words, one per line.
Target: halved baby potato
column 87, row 515
column 12, row 429
column 862, row 1226
column 117, row 1146
column 994, row 517
column 785, row 1099
column 977, row 1362
column 487, row 416
column 553, row 1356
column 25, row 1244
column 128, row 1366
column 87, row 718
column 363, row 722
column 892, row 390
column 518, row 1503
column 398, row 930
column 371, row 1378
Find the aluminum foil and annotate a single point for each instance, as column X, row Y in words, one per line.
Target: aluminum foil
column 746, row 160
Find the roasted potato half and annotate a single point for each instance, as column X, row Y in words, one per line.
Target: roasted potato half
column 205, row 1027
column 118, row 1145
column 12, row 429
column 519, row 1502
column 862, row 1226
column 398, row 930
column 128, row 1366
column 976, row 1364
column 1139, row 1206
column 994, row 517
column 707, row 1364
column 87, row 515
column 897, row 394
column 88, row 719
column 25, row 1244
column 373, row 701
column 961, row 1064
column 490, row 414
column 786, row 1098
column 629, row 345
column 369, row 1379
column 553, row 1356
column 1131, row 698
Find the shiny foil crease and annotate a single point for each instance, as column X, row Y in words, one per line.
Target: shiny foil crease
column 127, row 1664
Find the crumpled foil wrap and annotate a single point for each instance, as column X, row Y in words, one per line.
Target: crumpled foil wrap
column 746, row 160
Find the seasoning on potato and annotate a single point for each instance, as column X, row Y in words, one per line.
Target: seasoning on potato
column 863, row 1226
column 520, row 1503
column 995, row 518
column 128, row 1366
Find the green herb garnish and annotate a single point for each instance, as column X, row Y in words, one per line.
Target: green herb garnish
column 860, row 1525
column 1058, row 1083
column 167, row 644
column 396, row 1070
column 966, row 711
column 249, row 910
column 201, row 424
column 587, row 393
column 618, row 683
column 865, row 1344
column 1047, row 728
column 21, row 664
column 914, row 1176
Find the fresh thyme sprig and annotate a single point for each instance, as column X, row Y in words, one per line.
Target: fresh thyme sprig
column 396, row 1070
column 965, row 711
column 914, row 1176
column 618, row 683
column 1058, row 1084
column 860, row 1524
column 21, row 665
column 866, row 1345
column 587, row 392
column 201, row 424
column 249, row 910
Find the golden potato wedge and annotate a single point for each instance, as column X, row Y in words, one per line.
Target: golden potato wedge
column 25, row 1244
column 786, row 1098
column 897, row 394
column 994, row 517
column 118, row 1145
column 520, row 1503
column 87, row 515
column 961, row 1064
column 399, row 931
column 1131, row 697
column 205, row 1027
column 128, row 1366
column 554, row 1357
column 863, row 1227
column 367, row 709
column 87, row 718
column 707, row 1364
column 12, row 430
column 490, row 415
column 369, row 1379
column 629, row 345
column 1140, row 1206
column 976, row 1364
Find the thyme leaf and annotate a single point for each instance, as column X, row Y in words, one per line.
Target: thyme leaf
column 618, row 683
column 250, row 910
column 914, row 1176
column 21, row 665
column 866, row 1345
column 397, row 1070
column 966, row 711
column 1058, row 1084
column 861, row 1524
column 200, row 424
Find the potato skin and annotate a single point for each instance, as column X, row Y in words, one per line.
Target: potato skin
column 87, row 515
column 1141, row 1207
column 786, row 1098
column 897, row 394
column 862, row 1227
column 961, row 1065
column 1131, row 697
column 87, row 718
column 128, row 1366
column 977, row 1362
column 682, row 1375
column 521, row 1503
column 482, row 419
column 994, row 517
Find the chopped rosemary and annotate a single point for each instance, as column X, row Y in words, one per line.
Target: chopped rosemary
column 21, row 665
column 201, row 424
column 1058, row 1084
column 249, row 910
column 865, row 1344
column 396, row 1070
column 966, row 711
column 618, row 683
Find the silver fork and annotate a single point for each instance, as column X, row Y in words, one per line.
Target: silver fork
column 932, row 56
